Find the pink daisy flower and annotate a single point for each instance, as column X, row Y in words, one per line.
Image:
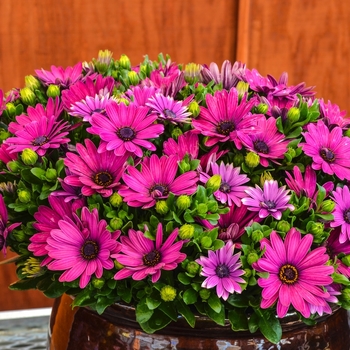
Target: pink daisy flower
column 187, row 143
column 328, row 149
column 332, row 116
column 82, row 248
column 144, row 257
column 94, row 172
column 5, row 155
column 296, row 275
column 125, row 129
column 60, row 76
column 271, row 200
column 231, row 190
column 226, row 119
column 341, row 212
column 333, row 290
column 156, row 180
column 268, row 142
column 139, row 95
column 222, row 269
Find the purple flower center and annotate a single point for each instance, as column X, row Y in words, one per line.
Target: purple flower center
column 152, row 258
column 98, row 110
column 261, row 147
column 346, row 215
column 288, row 274
column 169, row 113
column 40, row 140
column 103, row 179
column 225, row 128
column 159, row 191
column 126, row 133
column 222, row 271
column 270, row 204
column 327, row 155
column 225, row 187
column 89, row 250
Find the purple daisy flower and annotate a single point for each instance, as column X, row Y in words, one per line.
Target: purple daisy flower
column 222, row 269
column 82, row 248
column 156, row 180
column 187, row 143
column 94, row 172
column 226, row 119
column 271, row 200
column 296, row 275
column 341, row 212
column 328, row 149
column 333, row 290
column 268, row 143
column 332, row 116
column 231, row 190
column 60, row 76
column 169, row 109
column 144, row 257
column 125, row 129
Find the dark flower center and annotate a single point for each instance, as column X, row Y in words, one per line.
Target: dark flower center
column 98, row 110
column 103, row 179
column 261, row 147
column 152, row 258
column 126, row 133
column 159, row 191
column 327, row 155
column 89, row 250
column 346, row 215
column 222, row 271
column 225, row 128
column 40, row 140
column 225, row 187
column 169, row 113
column 270, row 204
column 288, row 274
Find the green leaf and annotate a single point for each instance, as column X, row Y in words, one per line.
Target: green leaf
column 190, row 296
column 154, row 221
column 295, row 133
column 83, row 298
column 188, row 217
column 158, row 320
column 253, row 323
column 270, row 326
column 201, row 194
column 28, row 283
column 102, row 304
column 217, row 244
column 186, row 312
column 184, row 279
column 219, row 318
column 215, row 303
column 38, row 172
column 152, row 303
column 143, row 313
column 238, row 300
column 338, row 278
column 27, row 176
column 238, row 320
column 169, row 309
column 279, row 125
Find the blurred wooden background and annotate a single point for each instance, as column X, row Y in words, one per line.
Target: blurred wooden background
column 308, row 39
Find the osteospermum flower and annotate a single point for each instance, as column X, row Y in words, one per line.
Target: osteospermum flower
column 125, row 129
column 328, row 149
column 226, row 119
column 341, row 212
column 187, row 143
column 271, row 200
column 139, row 95
column 156, row 180
column 144, row 257
column 94, row 172
column 82, row 248
column 268, row 142
column 169, row 109
column 231, row 190
column 222, row 269
column 296, row 275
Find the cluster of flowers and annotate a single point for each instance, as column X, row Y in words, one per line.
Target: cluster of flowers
column 178, row 190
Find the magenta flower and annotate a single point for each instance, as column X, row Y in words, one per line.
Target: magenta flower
column 296, row 274
column 5, row 154
column 268, row 142
column 60, row 76
column 2, row 102
column 94, row 172
column 169, row 109
column 125, row 129
column 156, row 180
column 82, row 248
column 222, row 269
column 328, row 149
column 231, row 190
column 226, row 119
column 144, row 257
column 139, row 95
column 187, row 143
column 333, row 290
column 271, row 200
column 341, row 212
column 5, row 229
column 332, row 116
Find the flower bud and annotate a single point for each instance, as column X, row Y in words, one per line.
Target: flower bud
column 4, row 135
column 192, row 72
column 14, row 166
column 202, row 208
column 262, row 108
column 24, row 196
column 247, row 273
column 242, row 88
column 252, row 159
column 27, row 96
column 252, row 258
column 32, row 267
column 214, row 183
column 238, row 159
column 168, row 293
column 192, row 268
column 183, row 202
column 29, row 157
column 213, row 206
column 51, row 174
column 328, row 206
column 317, row 228
column 53, row 91
column 161, row 207
column 206, row 242
column 116, row 199
column 346, row 294
column 204, row 294
column 291, row 152
column 31, row 82
column 283, row 226
column 257, row 236
column 11, row 109
column 265, row 176
column 103, row 61
column 116, row 223
column 186, row 231
column 176, row 132
column 98, row 283
column 124, row 62
column 194, row 108
column 293, row 114
column 133, row 78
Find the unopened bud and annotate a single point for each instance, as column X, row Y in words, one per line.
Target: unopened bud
column 206, row 242
column 27, row 96
column 252, row 258
column 98, row 283
column 168, row 293
column 252, row 159
column 293, row 114
column 262, row 108
column 257, row 236
column 51, row 174
column 186, row 231
column 116, row 199
column 242, row 88
column 133, row 78
column 124, row 62
column 31, row 82
column 283, row 226
column 202, row 208
column 53, row 91
column 24, row 196
column 194, row 108
column 204, row 294
column 176, row 132
column 317, row 228
column 328, row 205
column 29, row 157
column 265, row 176
column 116, row 223
column 13, row 166
column 161, row 207
column 192, row 268
column 214, row 183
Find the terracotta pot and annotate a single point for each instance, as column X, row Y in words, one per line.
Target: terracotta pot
column 116, row 329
